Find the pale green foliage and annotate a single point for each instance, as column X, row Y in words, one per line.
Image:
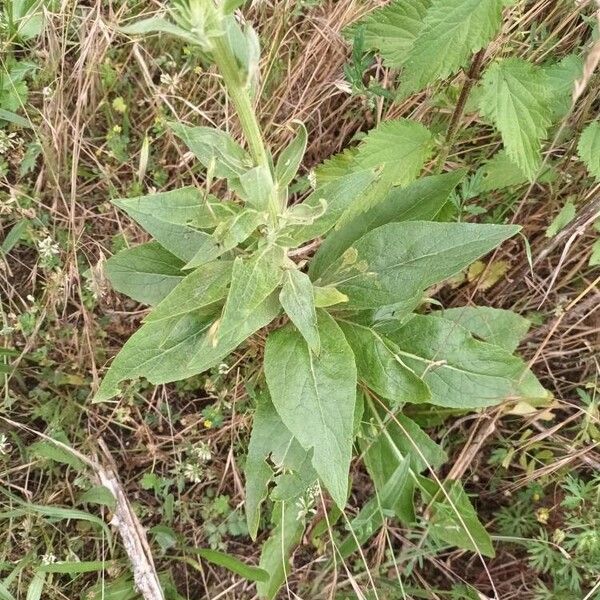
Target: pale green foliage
column 589, row 148
column 345, row 353
column 516, row 99
column 452, row 31
column 562, row 219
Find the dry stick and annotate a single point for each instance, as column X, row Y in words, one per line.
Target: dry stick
column 124, row 518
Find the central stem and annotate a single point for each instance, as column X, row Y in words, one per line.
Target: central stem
column 238, row 93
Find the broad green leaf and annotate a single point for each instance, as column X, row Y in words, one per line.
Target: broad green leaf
column 231, row 5
column 169, row 218
column 215, row 149
column 338, row 165
column 503, row 328
column 336, row 195
column 516, row 99
column 422, row 200
column 36, row 585
column 233, row 564
column 462, row 372
column 257, row 185
column 381, row 367
column 200, row 289
column 315, row 397
column 589, row 148
column 372, row 515
column 277, row 550
column 298, row 300
column 253, row 280
column 452, row 31
column 392, row 29
column 178, row 348
column 290, row 159
column 158, row 25
column 225, row 338
column 270, row 440
column 227, row 236
column 595, row 255
column 146, row 273
column 328, row 296
column 453, row 519
column 396, row 262
column 158, row 351
column 562, row 219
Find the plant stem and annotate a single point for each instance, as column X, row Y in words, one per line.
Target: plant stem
column 238, row 93
column 472, row 75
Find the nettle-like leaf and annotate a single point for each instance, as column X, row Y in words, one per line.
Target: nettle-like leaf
column 146, row 273
column 560, row 80
column 315, row 397
column 452, row 31
column 392, row 29
column 516, row 99
column 461, row 371
column 422, row 200
column 589, row 148
column 395, row 263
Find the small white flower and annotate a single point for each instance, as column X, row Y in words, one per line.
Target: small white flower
column 48, row 559
column 5, row 446
column 223, row 368
column 48, row 248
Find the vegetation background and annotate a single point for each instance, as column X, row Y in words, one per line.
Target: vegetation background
column 92, row 106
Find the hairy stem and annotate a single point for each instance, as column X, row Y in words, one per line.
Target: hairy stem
column 472, row 75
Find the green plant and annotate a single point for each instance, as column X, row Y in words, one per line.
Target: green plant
column 348, row 343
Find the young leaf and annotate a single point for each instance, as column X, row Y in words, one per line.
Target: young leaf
column 422, row 200
column 200, row 289
column 516, row 99
column 298, row 300
column 252, row 282
column 215, row 149
column 452, row 31
column 503, row 328
column 396, row 262
column 453, row 519
column 229, row 234
column 497, row 173
column 158, row 25
column 270, row 439
column 169, row 218
column 589, row 148
column 257, row 185
column 147, row 273
column 336, row 195
column 315, row 397
column 328, row 296
column 381, row 368
column 276, row 551
column 290, row 158
column 233, row 564
column 462, row 372
column 392, row 29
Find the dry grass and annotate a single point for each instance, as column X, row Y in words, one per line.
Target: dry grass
column 149, row 430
